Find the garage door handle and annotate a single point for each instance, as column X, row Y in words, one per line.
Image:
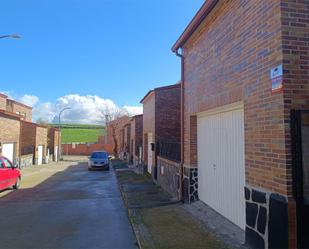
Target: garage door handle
column 214, row 166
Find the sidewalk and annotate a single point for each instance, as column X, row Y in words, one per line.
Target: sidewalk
column 158, row 221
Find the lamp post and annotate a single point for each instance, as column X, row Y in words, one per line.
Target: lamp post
column 59, row 140
column 14, row 36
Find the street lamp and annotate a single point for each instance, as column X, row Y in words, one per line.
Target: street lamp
column 59, row 140
column 14, row 36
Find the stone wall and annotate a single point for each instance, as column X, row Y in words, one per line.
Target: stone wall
column 169, row 176
column 26, row 161
column 266, row 219
column 190, row 184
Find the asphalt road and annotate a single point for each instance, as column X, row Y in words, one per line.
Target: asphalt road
column 65, row 206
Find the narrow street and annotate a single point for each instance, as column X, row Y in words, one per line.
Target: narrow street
column 65, row 206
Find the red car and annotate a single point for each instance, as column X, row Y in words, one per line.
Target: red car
column 9, row 174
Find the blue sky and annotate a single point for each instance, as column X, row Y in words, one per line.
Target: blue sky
column 115, row 49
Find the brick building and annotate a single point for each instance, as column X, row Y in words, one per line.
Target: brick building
column 3, row 99
column 127, row 141
column 161, row 132
column 53, row 143
column 20, row 109
column 41, row 156
column 27, row 143
column 136, row 143
column 12, row 106
column 115, row 134
column 9, row 136
column 244, row 69
column 34, row 143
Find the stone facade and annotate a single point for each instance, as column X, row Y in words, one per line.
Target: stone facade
column 190, row 184
column 227, row 58
column 266, row 219
column 26, row 161
column 169, row 175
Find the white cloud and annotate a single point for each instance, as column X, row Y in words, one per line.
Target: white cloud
column 133, row 110
column 87, row 109
column 30, row 100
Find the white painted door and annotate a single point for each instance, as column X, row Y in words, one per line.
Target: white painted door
column 149, row 164
column 8, row 151
column 56, row 153
column 40, row 154
column 221, row 163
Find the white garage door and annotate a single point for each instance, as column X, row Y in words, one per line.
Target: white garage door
column 8, row 151
column 221, row 165
column 40, row 154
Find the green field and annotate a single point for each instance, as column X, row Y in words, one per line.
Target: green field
column 80, row 133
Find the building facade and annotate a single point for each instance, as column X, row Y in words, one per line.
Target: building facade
column 244, row 71
column 9, row 136
column 53, row 143
column 136, row 148
column 161, row 133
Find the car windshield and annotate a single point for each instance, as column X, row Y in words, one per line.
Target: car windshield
column 99, row 155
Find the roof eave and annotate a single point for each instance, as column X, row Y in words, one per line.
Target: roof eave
column 203, row 12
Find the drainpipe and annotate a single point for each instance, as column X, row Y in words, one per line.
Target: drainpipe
column 180, row 55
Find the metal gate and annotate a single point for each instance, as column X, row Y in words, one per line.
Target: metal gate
column 300, row 157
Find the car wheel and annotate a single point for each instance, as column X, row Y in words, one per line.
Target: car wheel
column 17, row 184
column 90, row 169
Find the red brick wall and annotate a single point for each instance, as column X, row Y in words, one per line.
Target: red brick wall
column 53, row 139
column 3, row 101
column 19, row 108
column 127, row 138
column 41, row 139
column 167, row 117
column 295, row 39
column 10, row 132
column 84, row 149
column 118, row 124
column 133, row 136
column 228, row 59
column 136, row 133
column 27, row 138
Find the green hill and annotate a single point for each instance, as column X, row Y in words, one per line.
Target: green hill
column 80, row 133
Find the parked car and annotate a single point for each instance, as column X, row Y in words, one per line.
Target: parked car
column 98, row 160
column 10, row 175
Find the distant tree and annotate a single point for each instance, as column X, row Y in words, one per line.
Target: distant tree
column 113, row 118
column 41, row 121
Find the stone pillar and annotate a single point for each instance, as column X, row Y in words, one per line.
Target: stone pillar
column 190, row 184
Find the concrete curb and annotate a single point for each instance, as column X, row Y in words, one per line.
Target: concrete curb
column 129, row 212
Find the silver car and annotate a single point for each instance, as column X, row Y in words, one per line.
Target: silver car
column 98, row 160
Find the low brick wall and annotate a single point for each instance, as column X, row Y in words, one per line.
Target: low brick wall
column 26, row 161
column 169, row 176
column 84, row 149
